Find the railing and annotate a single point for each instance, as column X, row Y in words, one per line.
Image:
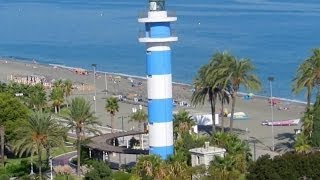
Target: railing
column 144, row 14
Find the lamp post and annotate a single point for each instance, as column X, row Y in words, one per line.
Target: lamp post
column 271, row 79
column 94, row 82
column 106, row 82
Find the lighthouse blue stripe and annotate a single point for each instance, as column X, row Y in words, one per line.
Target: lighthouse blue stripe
column 158, row 62
column 159, row 29
column 163, row 152
column 160, row 110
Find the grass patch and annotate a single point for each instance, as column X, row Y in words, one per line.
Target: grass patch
column 54, row 152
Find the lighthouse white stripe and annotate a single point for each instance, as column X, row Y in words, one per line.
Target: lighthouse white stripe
column 158, row 48
column 161, row 134
column 159, row 86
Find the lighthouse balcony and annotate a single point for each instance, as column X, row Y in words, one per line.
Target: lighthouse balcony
column 146, row 37
column 157, row 16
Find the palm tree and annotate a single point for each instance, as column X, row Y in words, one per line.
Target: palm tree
column 240, row 73
column 302, row 143
column 57, row 99
column 223, row 168
column 212, row 80
column 58, row 83
column 307, row 122
column 182, row 123
column 37, row 97
column 67, row 85
column 204, row 87
column 308, row 75
column 139, row 116
column 112, row 107
column 39, row 130
column 79, row 117
column 303, row 80
column 224, row 97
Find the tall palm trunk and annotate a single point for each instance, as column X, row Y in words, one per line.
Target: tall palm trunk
column 234, row 96
column 222, row 115
column 67, row 101
column 140, row 136
column 78, row 133
column 308, row 97
column 39, row 161
column 47, row 154
column 213, row 110
column 112, row 122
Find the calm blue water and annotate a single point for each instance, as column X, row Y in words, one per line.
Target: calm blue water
column 276, row 34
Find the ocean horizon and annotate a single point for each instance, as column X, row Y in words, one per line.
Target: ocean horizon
column 277, row 35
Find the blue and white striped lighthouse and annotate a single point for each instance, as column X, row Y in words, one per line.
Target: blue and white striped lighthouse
column 158, row 36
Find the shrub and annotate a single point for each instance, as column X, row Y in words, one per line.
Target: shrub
column 287, row 166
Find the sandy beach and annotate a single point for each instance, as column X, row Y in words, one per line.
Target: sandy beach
column 258, row 109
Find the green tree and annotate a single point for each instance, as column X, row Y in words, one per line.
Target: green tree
column 147, row 166
column 139, row 116
column 315, row 134
column 3, row 87
column 224, row 98
column 99, row 170
column 37, row 97
column 57, row 99
column 212, row 80
column 236, row 149
column 58, row 83
column 67, row 85
column 79, row 117
column 112, row 107
column 182, row 123
column 240, row 73
column 308, row 75
column 303, row 79
column 39, row 130
column 307, row 122
column 223, row 168
column 205, row 87
column 12, row 114
column 302, row 143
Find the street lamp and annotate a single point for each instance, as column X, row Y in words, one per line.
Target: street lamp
column 106, row 82
column 271, row 79
column 94, row 82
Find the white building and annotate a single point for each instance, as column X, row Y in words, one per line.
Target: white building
column 204, row 155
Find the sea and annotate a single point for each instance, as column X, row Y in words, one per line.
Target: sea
column 277, row 35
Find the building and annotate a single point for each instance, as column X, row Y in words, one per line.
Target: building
column 204, row 155
column 157, row 36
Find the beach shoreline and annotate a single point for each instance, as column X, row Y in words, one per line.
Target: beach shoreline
column 29, row 61
column 257, row 108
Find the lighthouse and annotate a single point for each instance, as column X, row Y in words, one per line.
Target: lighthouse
column 157, row 36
